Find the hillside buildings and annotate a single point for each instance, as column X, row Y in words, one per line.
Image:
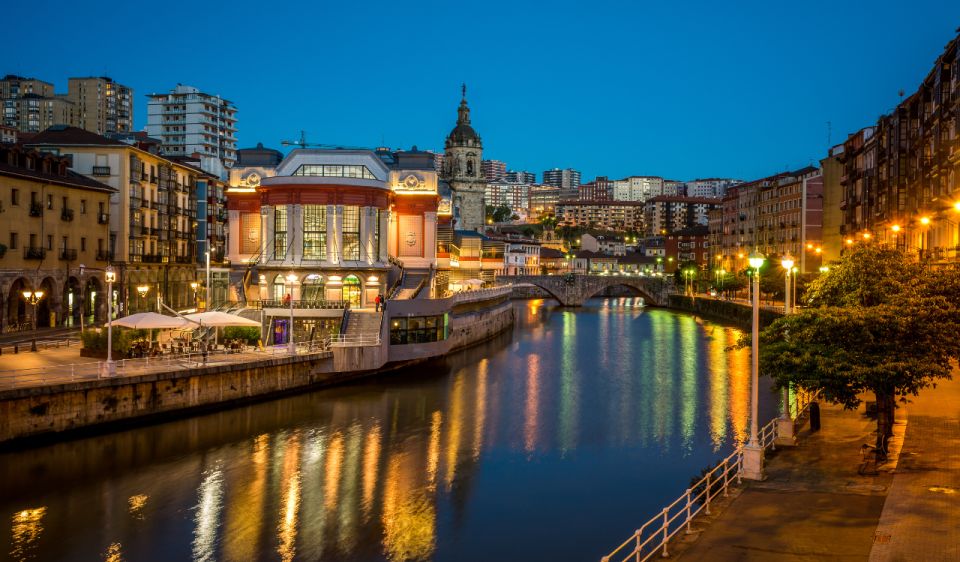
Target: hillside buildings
column 97, row 104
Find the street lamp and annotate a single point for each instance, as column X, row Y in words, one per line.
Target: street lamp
column 924, row 222
column 33, row 298
column 785, row 423
column 194, row 285
column 787, row 263
column 291, row 346
column 753, row 452
column 142, row 290
column 110, row 276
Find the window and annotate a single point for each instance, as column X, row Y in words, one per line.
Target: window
column 83, row 206
column 280, row 232
column 50, row 242
column 49, row 202
column 418, row 329
column 314, row 232
column 335, row 171
column 64, row 205
column 15, row 197
column 14, row 240
column 351, row 233
column 83, row 244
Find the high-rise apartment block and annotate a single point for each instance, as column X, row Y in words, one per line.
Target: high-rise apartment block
column 520, row 176
column 637, row 188
column 493, row 170
column 568, row 180
column 192, row 123
column 709, row 187
column 100, row 105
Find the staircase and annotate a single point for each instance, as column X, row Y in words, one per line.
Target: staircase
column 363, row 326
column 411, row 284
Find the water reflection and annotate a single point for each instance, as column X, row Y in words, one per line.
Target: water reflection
column 457, row 460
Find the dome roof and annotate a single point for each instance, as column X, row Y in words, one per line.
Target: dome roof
column 463, row 134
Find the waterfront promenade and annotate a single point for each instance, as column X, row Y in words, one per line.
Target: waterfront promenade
column 814, row 505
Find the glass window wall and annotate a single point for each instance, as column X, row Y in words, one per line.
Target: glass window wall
column 335, row 171
column 280, row 232
column 351, row 233
column 314, row 232
column 418, row 329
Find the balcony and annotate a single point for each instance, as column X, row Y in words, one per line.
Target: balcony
column 151, row 258
column 135, row 202
column 103, row 218
column 68, row 254
column 104, row 255
column 100, row 171
column 184, row 259
column 31, row 253
column 36, row 210
column 66, row 215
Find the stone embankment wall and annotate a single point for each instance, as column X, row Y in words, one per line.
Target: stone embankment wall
column 734, row 312
column 529, row 292
column 56, row 408
column 31, row 412
column 474, row 327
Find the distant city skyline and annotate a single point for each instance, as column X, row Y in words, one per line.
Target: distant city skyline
column 708, row 91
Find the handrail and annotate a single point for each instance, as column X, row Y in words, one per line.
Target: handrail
column 653, row 537
column 298, row 304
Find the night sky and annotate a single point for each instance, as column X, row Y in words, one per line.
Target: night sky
column 678, row 89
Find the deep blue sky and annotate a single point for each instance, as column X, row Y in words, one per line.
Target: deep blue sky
column 679, row 89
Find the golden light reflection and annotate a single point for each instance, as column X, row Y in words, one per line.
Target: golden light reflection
column 739, row 385
column 347, row 511
column 113, row 554
column 409, row 516
column 455, row 432
column 332, row 473
column 717, row 374
column 207, row 519
column 244, row 517
column 535, row 305
column 26, row 527
column 532, row 403
column 480, row 415
column 290, row 501
column 137, row 503
column 371, row 468
column 433, row 449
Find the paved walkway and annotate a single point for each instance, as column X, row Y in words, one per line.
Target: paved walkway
column 815, row 506
column 812, row 506
column 921, row 518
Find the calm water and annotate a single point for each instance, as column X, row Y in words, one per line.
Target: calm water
column 553, row 442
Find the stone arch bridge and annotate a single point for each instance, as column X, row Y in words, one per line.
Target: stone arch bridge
column 573, row 289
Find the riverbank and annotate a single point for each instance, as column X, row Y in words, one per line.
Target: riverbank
column 814, row 504
column 59, row 402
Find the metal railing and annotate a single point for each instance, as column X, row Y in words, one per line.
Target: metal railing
column 297, row 304
column 343, row 340
column 653, row 537
column 94, row 370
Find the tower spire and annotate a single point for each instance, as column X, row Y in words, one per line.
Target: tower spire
column 463, row 88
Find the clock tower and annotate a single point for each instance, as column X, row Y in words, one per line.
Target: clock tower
column 462, row 170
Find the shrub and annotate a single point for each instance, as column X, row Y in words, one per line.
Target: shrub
column 249, row 334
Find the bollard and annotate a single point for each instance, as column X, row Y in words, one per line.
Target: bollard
column 814, row 416
column 16, row 348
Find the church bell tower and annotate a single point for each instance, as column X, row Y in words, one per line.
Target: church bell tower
column 462, row 170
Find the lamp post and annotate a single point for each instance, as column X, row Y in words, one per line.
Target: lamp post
column 110, row 276
column 33, row 298
column 753, row 451
column 291, row 346
column 785, row 434
column 206, row 303
column 194, row 285
column 924, row 233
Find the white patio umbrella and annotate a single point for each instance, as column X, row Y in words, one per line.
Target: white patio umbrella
column 153, row 321
column 217, row 319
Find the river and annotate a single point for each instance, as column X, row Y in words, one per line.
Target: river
column 553, row 442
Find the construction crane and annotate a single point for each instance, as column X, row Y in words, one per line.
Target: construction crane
column 302, row 143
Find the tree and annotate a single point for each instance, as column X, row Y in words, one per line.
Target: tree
column 877, row 323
